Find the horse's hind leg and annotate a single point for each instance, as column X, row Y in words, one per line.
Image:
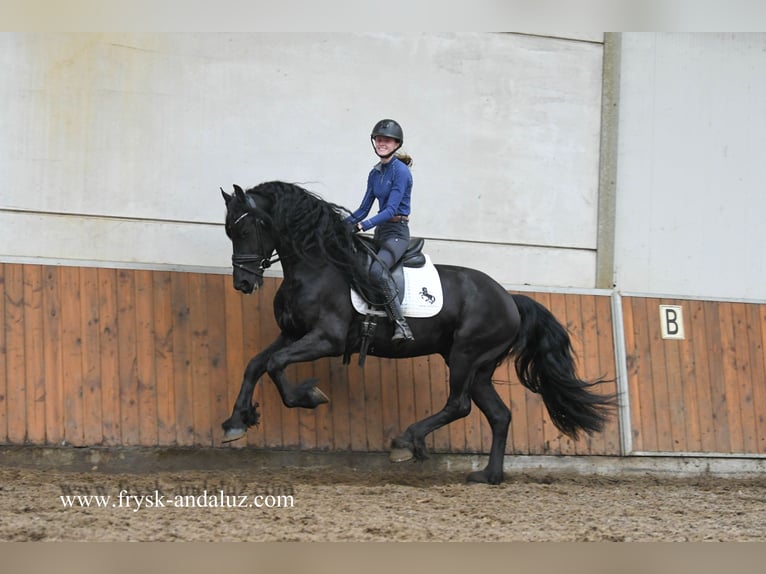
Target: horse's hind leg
column 411, row 443
column 498, row 414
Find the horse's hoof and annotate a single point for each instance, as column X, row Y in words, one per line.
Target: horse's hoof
column 480, row 477
column 400, row 455
column 318, row 397
column 233, row 434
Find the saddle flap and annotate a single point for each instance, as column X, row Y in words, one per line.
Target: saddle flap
column 420, row 292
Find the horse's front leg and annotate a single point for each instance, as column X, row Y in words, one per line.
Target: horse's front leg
column 314, row 345
column 245, row 413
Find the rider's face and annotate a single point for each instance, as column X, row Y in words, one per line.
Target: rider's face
column 384, row 145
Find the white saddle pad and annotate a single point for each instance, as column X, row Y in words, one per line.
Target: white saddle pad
column 422, row 293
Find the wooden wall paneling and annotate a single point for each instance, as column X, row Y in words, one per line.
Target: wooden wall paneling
column 690, row 384
column 715, row 356
column 750, row 375
column 15, row 360
column 164, row 375
column 218, row 368
column 646, row 394
column 3, row 362
column 373, row 412
column 743, row 381
column 357, row 401
column 341, row 415
column 111, row 426
column 34, row 338
column 127, row 356
column 662, row 405
column 730, row 378
column 200, row 359
column 758, row 358
column 731, row 369
column 591, row 367
column 146, row 388
column 679, row 426
column 91, row 356
column 69, row 281
column 699, row 376
column 121, row 357
column 182, row 368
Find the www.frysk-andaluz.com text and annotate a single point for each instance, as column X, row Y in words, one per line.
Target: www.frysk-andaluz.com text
column 182, row 496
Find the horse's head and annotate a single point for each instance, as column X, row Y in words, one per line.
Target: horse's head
column 248, row 225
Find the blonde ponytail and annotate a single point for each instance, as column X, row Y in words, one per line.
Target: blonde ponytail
column 406, row 159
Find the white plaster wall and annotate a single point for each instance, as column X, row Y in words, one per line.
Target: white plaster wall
column 113, row 146
column 691, row 169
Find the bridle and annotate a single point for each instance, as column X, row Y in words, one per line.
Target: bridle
column 242, row 260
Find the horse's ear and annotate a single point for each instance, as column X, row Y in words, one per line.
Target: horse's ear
column 239, row 192
column 226, row 197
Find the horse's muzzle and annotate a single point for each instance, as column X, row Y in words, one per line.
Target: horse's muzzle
column 248, row 272
column 247, row 285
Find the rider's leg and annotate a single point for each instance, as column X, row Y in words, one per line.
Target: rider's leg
column 388, row 256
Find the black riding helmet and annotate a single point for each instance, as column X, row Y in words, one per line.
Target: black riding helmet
column 390, row 129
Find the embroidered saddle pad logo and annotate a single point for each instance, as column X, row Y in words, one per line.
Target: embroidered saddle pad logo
column 422, row 293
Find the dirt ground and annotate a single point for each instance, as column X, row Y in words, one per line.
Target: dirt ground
column 332, row 504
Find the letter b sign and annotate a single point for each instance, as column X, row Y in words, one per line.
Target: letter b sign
column 672, row 321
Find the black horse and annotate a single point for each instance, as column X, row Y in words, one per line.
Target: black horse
column 479, row 326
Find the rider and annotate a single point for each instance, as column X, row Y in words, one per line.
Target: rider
column 390, row 182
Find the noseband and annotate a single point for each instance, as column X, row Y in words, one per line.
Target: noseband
column 241, row 260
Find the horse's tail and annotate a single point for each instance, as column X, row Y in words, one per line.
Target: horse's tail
column 544, row 362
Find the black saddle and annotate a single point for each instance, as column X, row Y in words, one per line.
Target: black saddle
column 413, row 257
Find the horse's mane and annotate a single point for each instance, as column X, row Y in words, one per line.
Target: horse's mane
column 314, row 231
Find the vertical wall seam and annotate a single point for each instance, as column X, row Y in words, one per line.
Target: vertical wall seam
column 607, row 168
column 621, row 366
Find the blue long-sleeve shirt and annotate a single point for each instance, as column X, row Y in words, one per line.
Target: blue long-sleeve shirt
column 391, row 184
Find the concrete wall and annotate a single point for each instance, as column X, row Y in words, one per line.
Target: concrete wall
column 114, row 145
column 690, row 186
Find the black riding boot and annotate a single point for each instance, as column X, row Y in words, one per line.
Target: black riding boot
column 402, row 332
